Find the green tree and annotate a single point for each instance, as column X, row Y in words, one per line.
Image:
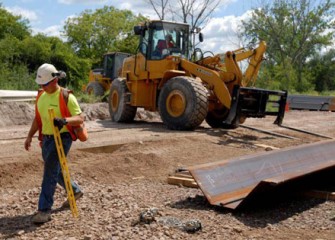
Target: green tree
column 294, row 30
column 108, row 29
column 322, row 68
column 12, row 25
column 9, row 50
column 13, row 29
column 40, row 49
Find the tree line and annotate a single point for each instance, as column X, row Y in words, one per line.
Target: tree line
column 300, row 39
column 88, row 37
column 299, row 33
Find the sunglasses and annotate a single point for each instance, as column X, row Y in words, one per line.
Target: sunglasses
column 44, row 85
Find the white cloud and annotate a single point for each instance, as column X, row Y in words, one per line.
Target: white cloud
column 54, row 31
column 138, row 7
column 221, row 33
column 68, row 2
column 18, row 11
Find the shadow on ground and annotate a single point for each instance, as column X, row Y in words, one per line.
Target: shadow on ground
column 13, row 226
column 260, row 212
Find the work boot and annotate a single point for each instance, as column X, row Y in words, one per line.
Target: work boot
column 41, row 217
column 77, row 195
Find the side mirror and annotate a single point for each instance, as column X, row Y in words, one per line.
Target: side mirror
column 138, row 30
column 201, row 37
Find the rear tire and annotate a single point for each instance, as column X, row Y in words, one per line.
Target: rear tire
column 119, row 109
column 95, row 88
column 183, row 103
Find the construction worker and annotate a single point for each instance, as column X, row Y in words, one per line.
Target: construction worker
column 47, row 78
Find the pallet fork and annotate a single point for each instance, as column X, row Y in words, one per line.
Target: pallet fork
column 253, row 102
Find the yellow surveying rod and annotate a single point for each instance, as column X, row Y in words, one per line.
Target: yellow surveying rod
column 63, row 164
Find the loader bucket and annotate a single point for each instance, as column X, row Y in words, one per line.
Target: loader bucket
column 229, row 183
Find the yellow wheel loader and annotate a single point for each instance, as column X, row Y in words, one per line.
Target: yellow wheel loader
column 100, row 79
column 187, row 87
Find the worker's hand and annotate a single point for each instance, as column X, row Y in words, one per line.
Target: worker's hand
column 59, row 122
column 27, row 143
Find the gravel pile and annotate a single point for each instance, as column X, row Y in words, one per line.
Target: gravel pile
column 114, row 212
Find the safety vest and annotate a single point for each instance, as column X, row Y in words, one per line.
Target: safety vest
column 63, row 99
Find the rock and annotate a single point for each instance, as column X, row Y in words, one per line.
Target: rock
column 192, row 226
column 149, row 215
column 21, row 232
column 237, row 229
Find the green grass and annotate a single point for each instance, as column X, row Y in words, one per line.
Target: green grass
column 86, row 98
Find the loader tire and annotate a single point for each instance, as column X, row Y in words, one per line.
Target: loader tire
column 183, row 103
column 119, row 108
column 95, row 88
column 232, row 125
column 216, row 118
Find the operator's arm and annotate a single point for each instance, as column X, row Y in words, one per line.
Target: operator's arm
column 31, row 133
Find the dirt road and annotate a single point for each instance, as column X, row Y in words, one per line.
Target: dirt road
column 123, row 168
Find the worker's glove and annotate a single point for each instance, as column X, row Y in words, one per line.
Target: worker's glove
column 59, row 122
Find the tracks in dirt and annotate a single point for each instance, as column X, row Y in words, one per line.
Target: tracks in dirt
column 284, row 135
column 21, row 134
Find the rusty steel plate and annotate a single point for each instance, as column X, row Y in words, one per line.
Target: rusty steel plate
column 229, row 182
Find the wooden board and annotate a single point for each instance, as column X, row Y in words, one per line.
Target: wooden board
column 186, row 181
column 320, row 194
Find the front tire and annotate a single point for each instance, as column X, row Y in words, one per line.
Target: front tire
column 95, row 88
column 216, row 118
column 119, row 108
column 183, row 103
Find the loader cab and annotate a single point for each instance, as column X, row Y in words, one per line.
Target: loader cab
column 160, row 39
column 112, row 63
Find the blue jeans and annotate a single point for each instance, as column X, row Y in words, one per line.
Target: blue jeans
column 52, row 171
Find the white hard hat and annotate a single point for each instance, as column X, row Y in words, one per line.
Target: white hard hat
column 45, row 73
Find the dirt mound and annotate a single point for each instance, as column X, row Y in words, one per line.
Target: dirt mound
column 22, row 113
column 95, row 111
column 16, row 113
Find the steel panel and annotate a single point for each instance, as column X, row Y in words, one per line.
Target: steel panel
column 229, row 182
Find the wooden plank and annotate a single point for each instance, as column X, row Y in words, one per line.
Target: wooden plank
column 183, row 175
column 186, row 182
column 320, row 194
column 266, row 147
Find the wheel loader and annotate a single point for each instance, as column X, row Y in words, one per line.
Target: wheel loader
column 189, row 86
column 100, row 79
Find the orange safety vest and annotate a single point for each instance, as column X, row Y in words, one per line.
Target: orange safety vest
column 63, row 99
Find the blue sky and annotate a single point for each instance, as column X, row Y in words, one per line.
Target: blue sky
column 48, row 16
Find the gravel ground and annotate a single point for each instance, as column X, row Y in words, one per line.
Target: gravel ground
column 112, row 212
column 125, row 176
